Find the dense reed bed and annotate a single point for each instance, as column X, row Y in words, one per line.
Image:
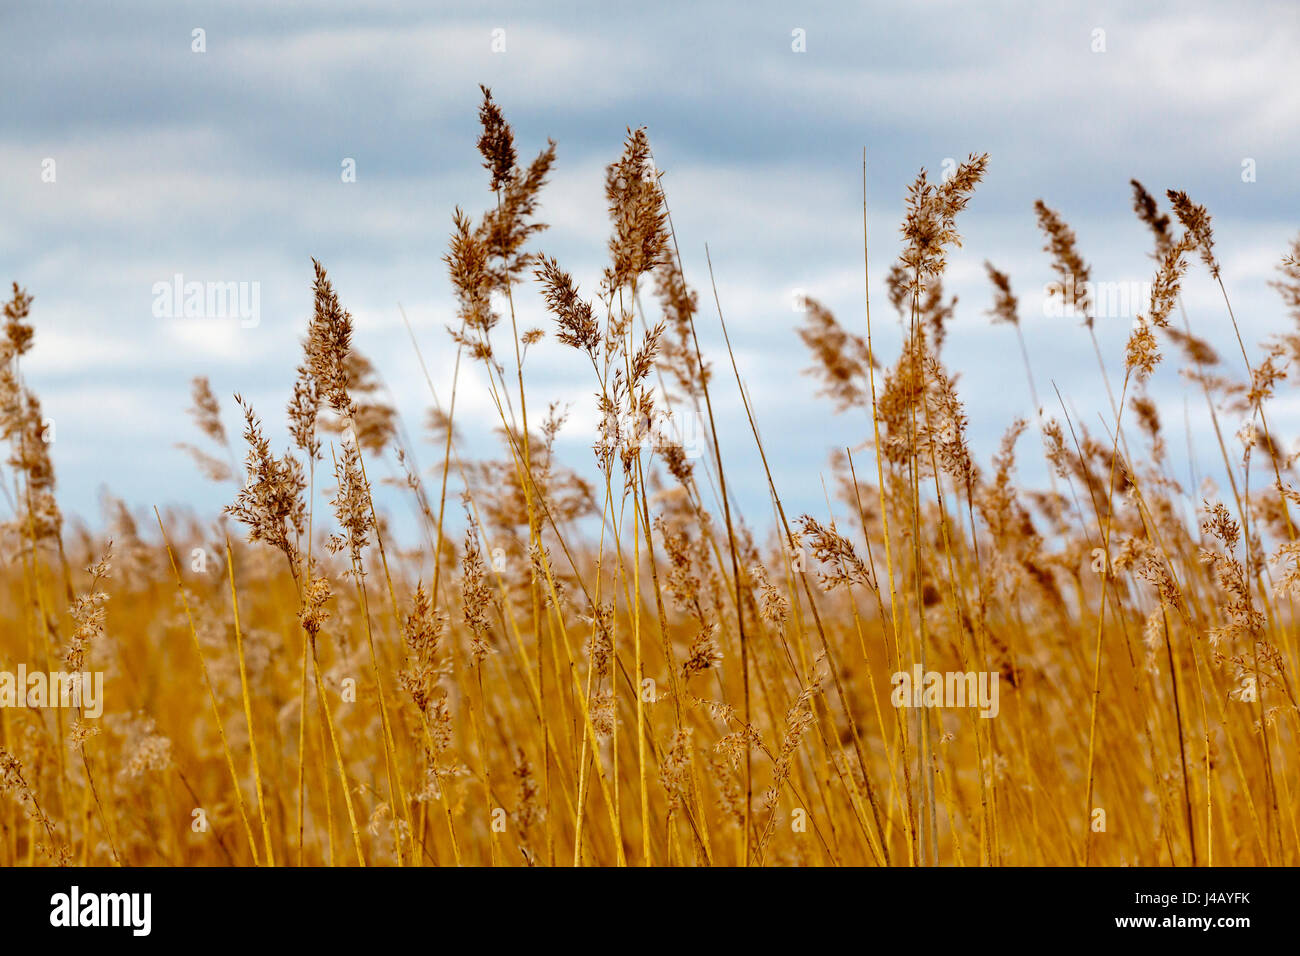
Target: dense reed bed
column 605, row 662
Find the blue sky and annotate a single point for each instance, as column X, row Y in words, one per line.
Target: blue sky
column 225, row 166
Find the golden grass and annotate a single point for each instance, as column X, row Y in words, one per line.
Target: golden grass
column 604, row 663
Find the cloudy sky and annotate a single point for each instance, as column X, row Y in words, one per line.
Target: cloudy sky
column 225, row 165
